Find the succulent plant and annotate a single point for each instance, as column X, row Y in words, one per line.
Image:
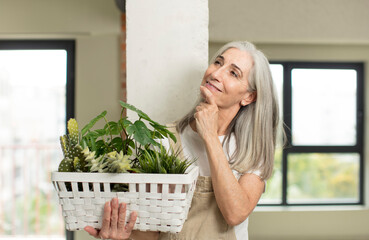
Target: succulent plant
column 74, row 158
column 112, row 162
column 73, row 131
column 66, row 165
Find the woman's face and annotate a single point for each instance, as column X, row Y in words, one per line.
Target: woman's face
column 227, row 79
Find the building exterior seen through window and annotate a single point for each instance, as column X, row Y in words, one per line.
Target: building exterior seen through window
column 33, row 100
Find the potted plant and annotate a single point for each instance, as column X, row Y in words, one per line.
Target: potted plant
column 123, row 159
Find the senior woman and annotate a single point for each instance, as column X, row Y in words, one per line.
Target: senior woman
column 232, row 133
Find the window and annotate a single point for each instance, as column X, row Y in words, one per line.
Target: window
column 36, row 98
column 322, row 109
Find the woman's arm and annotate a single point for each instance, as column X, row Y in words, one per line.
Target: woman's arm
column 236, row 199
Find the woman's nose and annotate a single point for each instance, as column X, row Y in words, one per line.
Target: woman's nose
column 217, row 74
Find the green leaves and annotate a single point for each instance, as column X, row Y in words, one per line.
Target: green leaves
column 160, row 130
column 163, row 161
column 134, row 141
column 123, row 134
column 92, row 123
column 112, row 128
column 140, row 133
column 134, row 109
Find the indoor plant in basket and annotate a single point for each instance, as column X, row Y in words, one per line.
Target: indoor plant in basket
column 124, row 160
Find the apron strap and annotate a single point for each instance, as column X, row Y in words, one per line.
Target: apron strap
column 176, row 146
column 205, row 221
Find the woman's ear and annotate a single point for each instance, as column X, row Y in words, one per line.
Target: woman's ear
column 250, row 98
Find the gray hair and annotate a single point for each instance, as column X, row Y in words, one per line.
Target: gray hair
column 255, row 125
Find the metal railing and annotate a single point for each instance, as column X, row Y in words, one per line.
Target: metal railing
column 28, row 203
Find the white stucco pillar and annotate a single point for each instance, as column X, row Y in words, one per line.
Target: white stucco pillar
column 167, row 53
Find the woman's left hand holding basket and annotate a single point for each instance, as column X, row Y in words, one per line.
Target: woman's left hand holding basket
column 114, row 222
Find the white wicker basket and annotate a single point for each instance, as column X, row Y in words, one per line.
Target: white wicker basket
column 162, row 201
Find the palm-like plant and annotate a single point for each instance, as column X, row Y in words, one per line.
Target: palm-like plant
column 162, row 161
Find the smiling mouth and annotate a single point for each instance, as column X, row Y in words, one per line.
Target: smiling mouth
column 212, row 86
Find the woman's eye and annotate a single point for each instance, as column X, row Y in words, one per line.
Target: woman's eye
column 234, row 74
column 217, row 62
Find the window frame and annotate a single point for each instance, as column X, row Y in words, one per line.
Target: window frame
column 69, row 47
column 358, row 148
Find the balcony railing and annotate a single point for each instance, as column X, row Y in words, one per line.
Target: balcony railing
column 28, row 203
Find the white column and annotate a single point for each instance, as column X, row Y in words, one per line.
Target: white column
column 167, row 54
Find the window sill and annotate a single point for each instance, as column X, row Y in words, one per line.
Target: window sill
column 334, row 208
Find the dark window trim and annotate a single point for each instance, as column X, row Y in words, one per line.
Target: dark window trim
column 69, row 46
column 287, row 118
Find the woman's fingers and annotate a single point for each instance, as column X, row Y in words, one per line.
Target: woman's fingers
column 114, row 222
column 92, row 231
column 114, row 216
column 131, row 223
column 207, row 95
column 203, row 107
column 123, row 228
column 105, row 228
column 200, row 107
column 122, row 216
column 206, row 115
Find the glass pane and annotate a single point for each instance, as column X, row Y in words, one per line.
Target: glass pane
column 273, row 192
column 277, row 74
column 323, row 178
column 32, row 110
column 323, row 107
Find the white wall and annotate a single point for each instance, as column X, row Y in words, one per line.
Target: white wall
column 167, row 50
